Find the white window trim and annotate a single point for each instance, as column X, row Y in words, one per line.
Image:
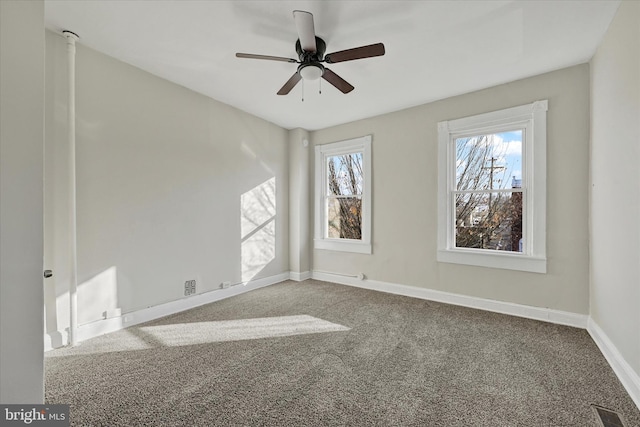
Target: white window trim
column 533, row 118
column 362, row 246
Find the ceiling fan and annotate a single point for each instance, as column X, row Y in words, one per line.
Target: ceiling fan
column 310, row 49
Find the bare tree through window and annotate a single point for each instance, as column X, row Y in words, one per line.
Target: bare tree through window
column 344, row 198
column 488, row 192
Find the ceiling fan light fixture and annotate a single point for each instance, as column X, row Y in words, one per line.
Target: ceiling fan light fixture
column 311, row 72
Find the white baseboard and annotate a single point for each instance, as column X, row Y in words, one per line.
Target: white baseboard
column 536, row 313
column 627, row 376
column 299, row 277
column 60, row 338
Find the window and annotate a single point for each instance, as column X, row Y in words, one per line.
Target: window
column 492, row 189
column 343, row 196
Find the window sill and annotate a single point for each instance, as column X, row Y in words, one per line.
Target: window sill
column 343, row 245
column 481, row 258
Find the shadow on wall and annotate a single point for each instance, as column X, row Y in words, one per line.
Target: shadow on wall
column 257, row 228
column 98, row 297
column 146, row 230
column 97, row 300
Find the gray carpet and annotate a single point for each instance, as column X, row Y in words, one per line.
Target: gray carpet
column 316, row 354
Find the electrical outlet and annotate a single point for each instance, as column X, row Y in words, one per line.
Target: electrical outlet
column 225, row 285
column 189, row 287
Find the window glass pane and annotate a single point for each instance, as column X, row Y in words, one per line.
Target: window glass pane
column 489, row 162
column 489, row 221
column 344, row 217
column 344, row 175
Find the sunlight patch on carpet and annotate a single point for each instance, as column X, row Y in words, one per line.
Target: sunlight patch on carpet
column 184, row 334
column 237, row 330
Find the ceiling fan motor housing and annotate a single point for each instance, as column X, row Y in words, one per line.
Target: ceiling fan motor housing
column 317, row 56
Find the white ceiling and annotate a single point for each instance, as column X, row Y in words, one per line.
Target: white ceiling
column 434, row 49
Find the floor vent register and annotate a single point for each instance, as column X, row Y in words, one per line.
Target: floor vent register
column 607, row 417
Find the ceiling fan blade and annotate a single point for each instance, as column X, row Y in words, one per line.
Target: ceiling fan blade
column 290, row 84
column 270, row 58
column 337, row 81
column 355, row 53
column 306, row 31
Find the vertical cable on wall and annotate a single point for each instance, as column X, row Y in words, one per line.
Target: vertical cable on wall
column 71, row 123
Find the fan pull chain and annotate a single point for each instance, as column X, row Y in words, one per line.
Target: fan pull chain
column 302, row 90
column 320, row 86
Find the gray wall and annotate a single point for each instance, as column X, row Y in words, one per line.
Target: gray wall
column 171, row 186
column 21, row 158
column 615, row 184
column 404, row 152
